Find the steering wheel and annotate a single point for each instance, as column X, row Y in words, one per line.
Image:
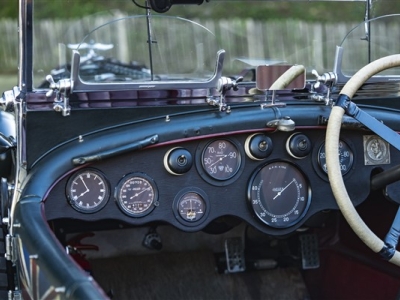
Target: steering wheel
column 344, row 105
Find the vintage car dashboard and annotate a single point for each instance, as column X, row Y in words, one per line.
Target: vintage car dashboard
column 211, row 166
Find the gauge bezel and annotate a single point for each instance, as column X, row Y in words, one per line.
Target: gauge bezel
column 201, row 168
column 154, row 203
column 73, row 202
column 178, row 197
column 306, row 207
column 258, row 154
column 316, row 158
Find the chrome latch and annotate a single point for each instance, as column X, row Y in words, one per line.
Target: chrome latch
column 10, row 248
column 63, row 90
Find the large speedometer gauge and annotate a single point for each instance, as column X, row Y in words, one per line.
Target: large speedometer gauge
column 136, row 194
column 221, row 159
column 279, row 194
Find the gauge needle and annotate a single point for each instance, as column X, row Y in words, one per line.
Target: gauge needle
column 87, row 189
column 218, row 160
column 137, row 194
column 280, row 192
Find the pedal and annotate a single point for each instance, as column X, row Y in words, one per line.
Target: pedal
column 234, row 252
column 309, row 251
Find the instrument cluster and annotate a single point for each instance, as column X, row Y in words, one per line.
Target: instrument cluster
column 272, row 180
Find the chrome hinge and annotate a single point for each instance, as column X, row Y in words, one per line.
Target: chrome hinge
column 15, row 295
column 10, row 249
column 7, row 101
column 63, row 89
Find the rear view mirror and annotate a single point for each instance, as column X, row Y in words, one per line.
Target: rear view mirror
column 162, row 6
column 280, row 77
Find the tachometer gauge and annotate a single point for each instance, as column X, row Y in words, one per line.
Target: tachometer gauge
column 88, row 191
column 221, row 159
column 279, row 195
column 137, row 194
column 345, row 158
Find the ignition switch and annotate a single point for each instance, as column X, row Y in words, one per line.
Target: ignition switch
column 298, row 145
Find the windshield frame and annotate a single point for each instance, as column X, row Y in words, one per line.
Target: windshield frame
column 26, row 82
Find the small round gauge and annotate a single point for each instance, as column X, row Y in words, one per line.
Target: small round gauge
column 191, row 206
column 345, row 158
column 136, row 194
column 88, row 191
column 279, row 195
column 221, row 159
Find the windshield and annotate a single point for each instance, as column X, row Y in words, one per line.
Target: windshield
column 122, row 41
column 375, row 38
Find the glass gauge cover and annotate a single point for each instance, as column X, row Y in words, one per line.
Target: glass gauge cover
column 221, row 159
column 279, row 195
column 345, row 158
column 136, row 194
column 191, row 207
column 88, row 191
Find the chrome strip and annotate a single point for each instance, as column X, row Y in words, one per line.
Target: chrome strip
column 21, row 33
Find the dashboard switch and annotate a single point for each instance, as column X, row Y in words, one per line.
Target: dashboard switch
column 298, row 145
column 178, row 161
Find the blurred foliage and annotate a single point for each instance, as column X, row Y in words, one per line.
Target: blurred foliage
column 325, row 11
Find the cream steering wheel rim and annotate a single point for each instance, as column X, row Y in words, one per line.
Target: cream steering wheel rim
column 332, row 159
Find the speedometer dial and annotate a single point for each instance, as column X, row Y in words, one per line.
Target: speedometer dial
column 279, row 195
column 136, row 194
column 221, row 159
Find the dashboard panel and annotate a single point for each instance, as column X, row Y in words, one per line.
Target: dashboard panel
column 261, row 177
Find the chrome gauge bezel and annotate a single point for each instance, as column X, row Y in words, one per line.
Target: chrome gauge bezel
column 92, row 185
column 320, row 161
column 201, row 164
column 177, row 203
column 124, row 187
column 265, row 190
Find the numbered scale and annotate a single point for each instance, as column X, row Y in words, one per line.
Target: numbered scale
column 279, row 194
column 221, row 159
column 345, row 158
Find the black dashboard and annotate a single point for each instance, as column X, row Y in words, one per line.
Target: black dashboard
column 275, row 181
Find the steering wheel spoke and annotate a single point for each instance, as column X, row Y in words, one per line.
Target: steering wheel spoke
column 344, row 105
column 352, row 110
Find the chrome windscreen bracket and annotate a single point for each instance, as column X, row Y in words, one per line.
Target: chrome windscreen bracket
column 63, row 90
column 224, row 84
